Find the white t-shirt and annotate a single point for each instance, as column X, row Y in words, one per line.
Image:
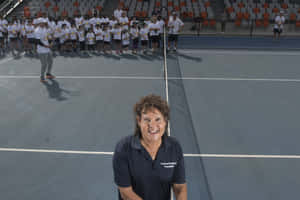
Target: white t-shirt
column 13, row 30
column 125, row 38
column 117, row 32
column 41, row 34
column 98, row 33
column 87, row 24
column 90, row 38
column 174, row 26
column 161, row 24
column 279, row 21
column 118, row 13
column 78, row 21
column 92, row 21
column 154, row 29
column 112, row 23
column 107, row 35
column 57, row 31
column 3, row 25
column 81, row 37
column 124, row 22
column 60, row 23
column 65, row 35
column 134, row 32
column 29, row 31
column 49, row 33
column 22, row 30
column 144, row 33
column 73, row 33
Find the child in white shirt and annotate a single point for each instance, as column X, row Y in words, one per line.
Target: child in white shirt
column 107, row 32
column 81, row 37
column 134, row 32
column 125, row 39
column 73, row 36
column 99, row 37
column 144, row 31
column 90, row 40
column 117, row 35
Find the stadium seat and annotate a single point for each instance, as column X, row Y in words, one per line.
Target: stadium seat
column 258, row 23
column 239, row 15
column 266, row 16
column 266, row 23
column 237, row 22
column 205, row 23
column 212, row 22
column 293, row 17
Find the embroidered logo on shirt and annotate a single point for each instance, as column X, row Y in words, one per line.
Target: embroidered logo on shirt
column 168, row 164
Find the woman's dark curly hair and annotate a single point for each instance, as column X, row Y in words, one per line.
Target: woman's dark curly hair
column 146, row 104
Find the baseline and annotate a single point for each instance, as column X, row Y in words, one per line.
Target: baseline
column 185, row 155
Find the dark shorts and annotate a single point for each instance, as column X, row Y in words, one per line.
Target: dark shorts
column 155, row 38
column 277, row 30
column 106, row 43
column 31, row 40
column 13, row 39
column 135, row 43
column 173, row 37
column 1, row 39
column 144, row 42
column 125, row 46
column 117, row 41
column 99, row 42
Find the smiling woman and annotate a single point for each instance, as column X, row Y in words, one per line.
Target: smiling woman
column 147, row 164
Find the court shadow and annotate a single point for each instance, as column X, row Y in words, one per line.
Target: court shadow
column 146, row 57
column 194, row 58
column 55, row 91
column 129, row 56
column 112, row 56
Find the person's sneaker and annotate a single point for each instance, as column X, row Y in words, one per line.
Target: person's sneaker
column 42, row 79
column 175, row 48
column 49, row 76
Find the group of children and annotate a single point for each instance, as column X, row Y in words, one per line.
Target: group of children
column 84, row 33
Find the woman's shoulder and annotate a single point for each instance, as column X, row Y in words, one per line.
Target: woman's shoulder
column 124, row 144
column 173, row 143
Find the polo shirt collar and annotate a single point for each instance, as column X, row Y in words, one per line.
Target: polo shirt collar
column 136, row 143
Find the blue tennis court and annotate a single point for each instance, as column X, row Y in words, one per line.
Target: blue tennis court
column 234, row 112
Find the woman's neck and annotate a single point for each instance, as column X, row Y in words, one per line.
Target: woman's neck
column 151, row 145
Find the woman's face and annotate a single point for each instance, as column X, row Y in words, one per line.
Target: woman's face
column 152, row 124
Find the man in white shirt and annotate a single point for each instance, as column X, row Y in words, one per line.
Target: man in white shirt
column 44, row 51
column 118, row 12
column 175, row 25
column 278, row 26
column 124, row 21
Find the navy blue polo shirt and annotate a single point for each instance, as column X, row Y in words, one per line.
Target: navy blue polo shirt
column 150, row 179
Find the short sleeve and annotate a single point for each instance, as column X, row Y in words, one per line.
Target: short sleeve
column 179, row 172
column 121, row 169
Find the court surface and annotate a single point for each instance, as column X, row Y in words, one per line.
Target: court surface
column 234, row 112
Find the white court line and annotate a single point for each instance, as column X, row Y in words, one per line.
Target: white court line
column 239, row 52
column 84, row 77
column 158, row 78
column 185, row 155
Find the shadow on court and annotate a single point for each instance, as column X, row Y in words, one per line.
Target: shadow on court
column 56, row 92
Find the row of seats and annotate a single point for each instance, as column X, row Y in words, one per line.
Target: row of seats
column 63, row 7
column 261, row 11
column 186, row 8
